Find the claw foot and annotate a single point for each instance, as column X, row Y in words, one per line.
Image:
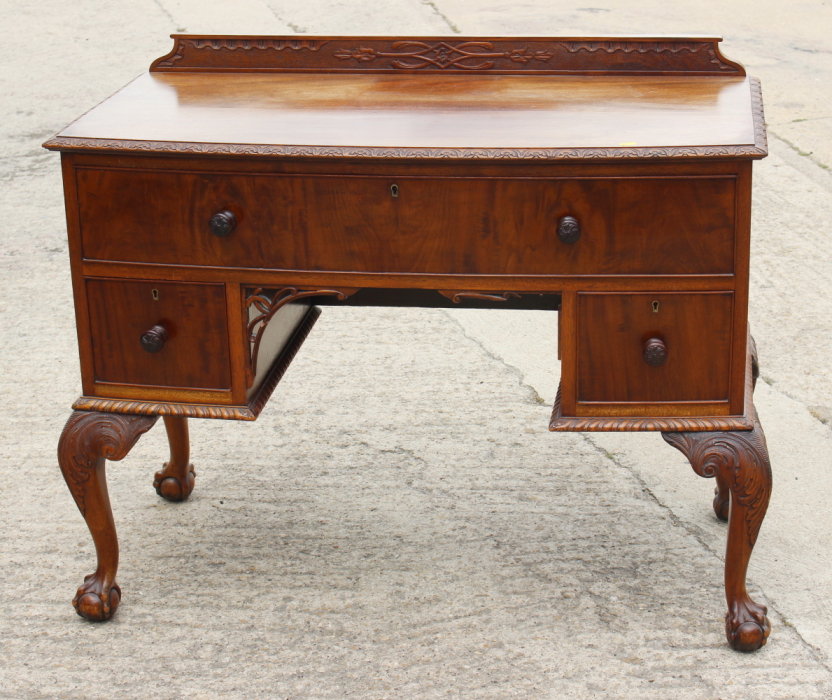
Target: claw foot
column 91, row 603
column 746, row 625
column 171, row 488
column 721, row 503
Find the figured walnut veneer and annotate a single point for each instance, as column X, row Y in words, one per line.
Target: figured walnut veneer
column 217, row 200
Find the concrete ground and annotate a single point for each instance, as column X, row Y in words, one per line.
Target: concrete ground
column 399, row 523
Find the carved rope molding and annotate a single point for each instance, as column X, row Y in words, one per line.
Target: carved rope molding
column 269, row 306
column 560, row 423
column 741, row 458
column 151, row 408
column 90, row 437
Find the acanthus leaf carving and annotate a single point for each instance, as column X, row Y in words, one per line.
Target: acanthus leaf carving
column 88, row 438
column 741, row 458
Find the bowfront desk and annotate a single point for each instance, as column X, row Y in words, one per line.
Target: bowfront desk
column 217, row 201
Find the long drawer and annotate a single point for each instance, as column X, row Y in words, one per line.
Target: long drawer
column 641, row 225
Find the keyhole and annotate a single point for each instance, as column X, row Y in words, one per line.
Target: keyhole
column 155, row 294
column 394, row 190
column 655, row 307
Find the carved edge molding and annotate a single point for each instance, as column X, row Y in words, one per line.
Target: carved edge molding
column 760, row 138
column 741, row 458
column 88, row 437
column 147, row 408
column 268, row 307
column 559, row 423
column 72, row 143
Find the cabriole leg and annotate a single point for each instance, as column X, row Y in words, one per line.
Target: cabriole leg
column 721, row 498
column 176, row 480
column 740, row 460
column 88, row 440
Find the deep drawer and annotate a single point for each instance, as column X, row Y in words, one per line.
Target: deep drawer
column 654, row 347
column 194, row 350
column 434, row 225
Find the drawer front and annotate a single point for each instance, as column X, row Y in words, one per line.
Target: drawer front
column 433, row 225
column 686, row 337
column 194, row 352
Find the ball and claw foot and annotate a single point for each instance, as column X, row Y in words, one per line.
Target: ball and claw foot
column 746, row 625
column 721, row 503
column 172, row 488
column 90, row 603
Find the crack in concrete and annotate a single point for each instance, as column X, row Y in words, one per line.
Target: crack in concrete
column 675, row 520
column 167, row 14
column 694, row 532
column 803, row 154
column 534, row 397
column 442, row 15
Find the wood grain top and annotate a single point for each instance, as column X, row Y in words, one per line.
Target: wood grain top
column 212, row 101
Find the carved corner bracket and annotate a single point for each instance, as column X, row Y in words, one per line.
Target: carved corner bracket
column 266, row 306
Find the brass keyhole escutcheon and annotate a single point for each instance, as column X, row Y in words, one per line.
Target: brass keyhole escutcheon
column 394, row 190
column 655, row 307
column 155, row 294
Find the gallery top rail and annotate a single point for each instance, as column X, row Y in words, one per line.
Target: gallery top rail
column 504, row 55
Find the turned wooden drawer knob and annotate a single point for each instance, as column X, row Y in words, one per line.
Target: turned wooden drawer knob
column 222, row 223
column 154, row 339
column 569, row 230
column 655, row 352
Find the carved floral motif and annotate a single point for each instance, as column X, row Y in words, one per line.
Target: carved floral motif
column 469, row 55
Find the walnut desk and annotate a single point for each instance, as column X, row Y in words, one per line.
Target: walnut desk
column 218, row 200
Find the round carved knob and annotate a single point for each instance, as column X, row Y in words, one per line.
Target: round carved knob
column 569, row 230
column 222, row 223
column 655, row 352
column 154, row 339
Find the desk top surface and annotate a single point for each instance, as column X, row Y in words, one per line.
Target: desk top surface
column 467, row 99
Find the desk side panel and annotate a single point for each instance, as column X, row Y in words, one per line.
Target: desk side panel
column 73, row 229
